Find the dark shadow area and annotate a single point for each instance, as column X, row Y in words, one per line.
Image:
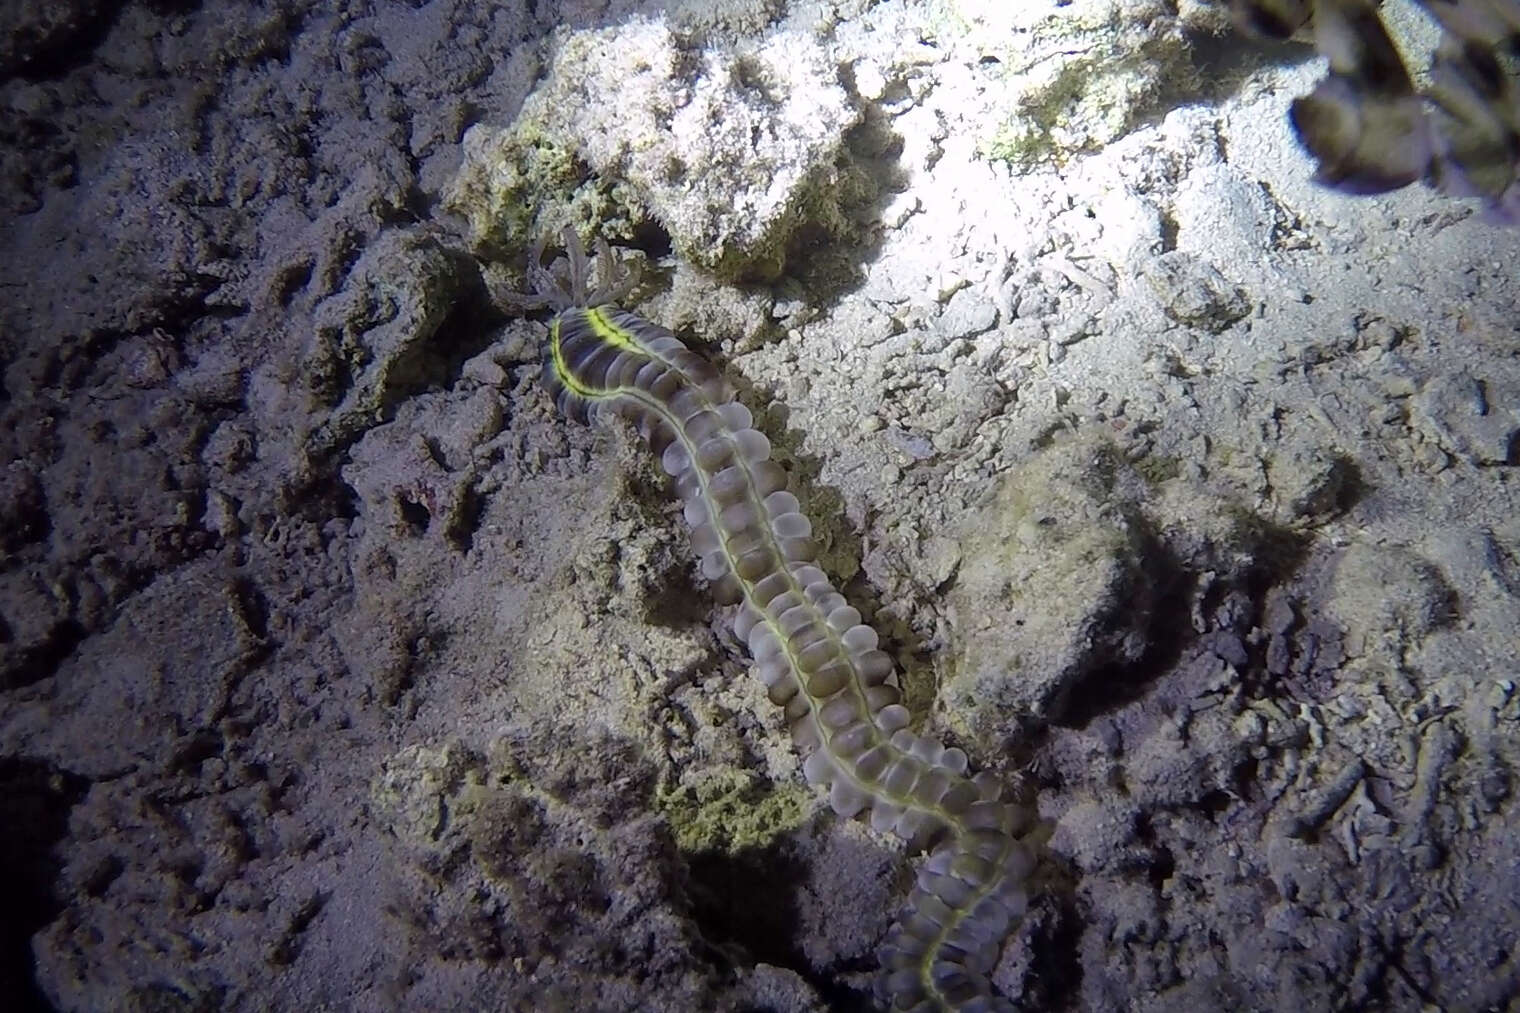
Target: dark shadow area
column 57, row 38
column 828, row 260
column 41, row 660
column 1222, row 63
column 1171, row 638
column 1218, row 68
column 1110, row 687
column 1055, row 978
column 35, row 800
column 744, row 909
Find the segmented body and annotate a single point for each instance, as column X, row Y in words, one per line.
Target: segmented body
column 817, row 659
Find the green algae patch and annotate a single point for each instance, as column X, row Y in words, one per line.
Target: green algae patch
column 730, row 810
column 519, row 184
column 413, row 793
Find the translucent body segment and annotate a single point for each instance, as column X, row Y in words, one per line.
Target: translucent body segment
column 774, row 672
column 884, row 816
column 931, row 787
column 651, row 425
column 688, row 402
column 797, row 620
column 764, row 644
column 735, row 415
column 748, row 540
column 766, row 591
column 675, row 460
column 817, row 655
column 753, row 565
column 857, row 639
column 839, row 712
column 728, row 485
column 988, row 785
column 648, row 372
column 784, row 692
column 846, row 799
column 746, row 620
column 741, row 516
column 789, row 603
column 714, row 454
column 696, row 513
column 665, row 385
column 812, row 653
column 704, row 539
column 596, row 362
column 958, row 796
column 817, row 768
column 727, row 590
column 753, row 445
column 843, row 618
column 927, row 750
column 797, row 550
column 782, row 502
column 988, row 816
column 828, row 604
column 715, row 564
column 807, row 737
column 812, row 581
column 705, row 425
column 873, row 667
column 767, row 477
column 830, row 678
column 792, row 525
column 890, row 719
column 936, row 910
column 689, row 484
column 873, row 762
column 852, row 739
column 950, row 890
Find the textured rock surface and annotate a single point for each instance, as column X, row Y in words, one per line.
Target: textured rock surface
column 730, row 150
column 1061, row 580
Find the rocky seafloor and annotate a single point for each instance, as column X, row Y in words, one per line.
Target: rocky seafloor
column 338, row 671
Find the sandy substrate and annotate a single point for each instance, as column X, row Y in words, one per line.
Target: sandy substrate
column 338, row 671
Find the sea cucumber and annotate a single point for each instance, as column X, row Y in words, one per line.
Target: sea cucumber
column 811, row 650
